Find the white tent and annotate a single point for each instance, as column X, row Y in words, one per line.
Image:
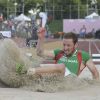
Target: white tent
column 22, row 17
column 92, row 16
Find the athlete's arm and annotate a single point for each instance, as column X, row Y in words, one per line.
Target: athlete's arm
column 40, row 50
column 93, row 69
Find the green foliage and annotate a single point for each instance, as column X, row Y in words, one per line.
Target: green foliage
column 30, row 4
column 19, row 68
column 56, row 26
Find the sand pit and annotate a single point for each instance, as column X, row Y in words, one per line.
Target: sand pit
column 91, row 93
column 54, row 88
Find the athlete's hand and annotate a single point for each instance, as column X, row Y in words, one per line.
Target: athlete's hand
column 41, row 33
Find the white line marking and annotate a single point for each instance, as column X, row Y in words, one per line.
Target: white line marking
column 97, row 60
column 95, row 55
column 96, row 47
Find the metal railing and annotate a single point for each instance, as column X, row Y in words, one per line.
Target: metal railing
column 60, row 12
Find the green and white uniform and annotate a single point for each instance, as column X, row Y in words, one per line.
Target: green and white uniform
column 72, row 63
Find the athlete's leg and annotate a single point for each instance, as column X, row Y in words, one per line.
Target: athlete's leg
column 47, row 68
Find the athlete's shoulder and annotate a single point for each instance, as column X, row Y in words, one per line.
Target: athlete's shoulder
column 84, row 52
column 57, row 50
column 85, row 55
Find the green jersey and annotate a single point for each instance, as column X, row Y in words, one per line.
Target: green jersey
column 72, row 62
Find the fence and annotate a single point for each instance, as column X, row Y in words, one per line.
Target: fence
column 58, row 12
column 71, row 11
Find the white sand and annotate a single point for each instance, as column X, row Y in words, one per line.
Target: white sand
column 91, row 92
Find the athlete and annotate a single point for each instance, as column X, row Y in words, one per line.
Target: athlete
column 68, row 60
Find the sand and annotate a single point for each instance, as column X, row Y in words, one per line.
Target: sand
column 83, row 88
column 91, row 92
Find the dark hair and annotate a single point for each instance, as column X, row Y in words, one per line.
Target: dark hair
column 71, row 35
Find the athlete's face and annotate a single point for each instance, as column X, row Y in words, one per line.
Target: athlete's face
column 69, row 46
